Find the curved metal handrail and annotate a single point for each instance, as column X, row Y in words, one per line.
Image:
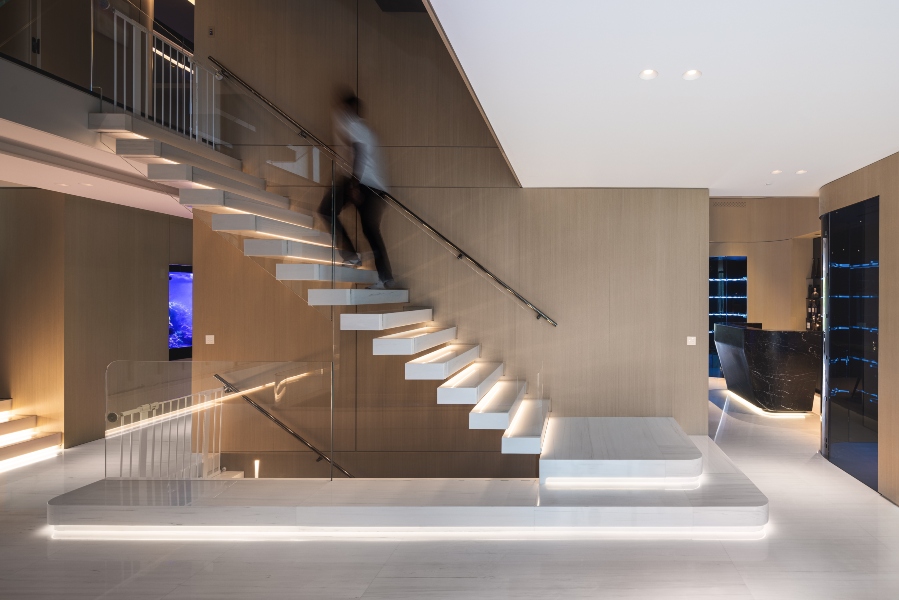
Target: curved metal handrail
column 306, row 134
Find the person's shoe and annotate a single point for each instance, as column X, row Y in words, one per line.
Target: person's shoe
column 388, row 284
column 350, row 260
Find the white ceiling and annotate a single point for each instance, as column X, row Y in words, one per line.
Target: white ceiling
column 787, row 84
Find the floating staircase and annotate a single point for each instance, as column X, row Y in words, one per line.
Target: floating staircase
column 19, row 436
column 241, row 205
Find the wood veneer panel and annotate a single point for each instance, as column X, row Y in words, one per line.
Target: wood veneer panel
column 880, row 179
column 32, row 325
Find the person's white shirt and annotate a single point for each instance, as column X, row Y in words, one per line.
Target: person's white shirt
column 353, row 131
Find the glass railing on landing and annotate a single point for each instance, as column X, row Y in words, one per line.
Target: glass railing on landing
column 214, row 420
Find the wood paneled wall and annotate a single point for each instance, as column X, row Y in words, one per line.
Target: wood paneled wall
column 623, row 271
column 773, row 234
column 84, row 283
column 880, row 179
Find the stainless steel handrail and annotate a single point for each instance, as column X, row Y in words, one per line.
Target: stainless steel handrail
column 306, row 134
column 234, row 390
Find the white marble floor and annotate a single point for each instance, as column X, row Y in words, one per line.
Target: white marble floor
column 829, row 536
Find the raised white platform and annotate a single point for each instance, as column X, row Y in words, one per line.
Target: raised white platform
column 471, row 384
column 440, row 364
column 727, row 499
column 18, row 423
column 382, row 321
column 40, row 442
column 413, row 341
column 618, row 447
column 319, row 272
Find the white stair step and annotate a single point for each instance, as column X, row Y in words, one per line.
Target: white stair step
column 187, row 176
column 34, row 444
column 382, row 321
column 16, row 424
column 526, row 433
column 5, row 405
column 498, row 407
column 228, row 475
column 470, row 385
column 440, row 364
column 287, row 249
column 353, row 297
column 412, row 341
column 229, row 203
column 159, row 152
column 125, row 126
column 254, row 226
column 313, row 272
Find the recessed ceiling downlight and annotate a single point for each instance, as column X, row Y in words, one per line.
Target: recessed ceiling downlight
column 801, row 172
column 692, row 74
column 648, row 74
column 776, row 172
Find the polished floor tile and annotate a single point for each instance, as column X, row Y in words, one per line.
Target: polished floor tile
column 829, row 537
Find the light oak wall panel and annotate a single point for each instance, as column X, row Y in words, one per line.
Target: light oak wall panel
column 116, row 308
column 880, row 179
column 767, row 231
column 32, row 299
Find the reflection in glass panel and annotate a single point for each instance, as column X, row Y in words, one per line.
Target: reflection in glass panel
column 727, row 299
column 852, row 295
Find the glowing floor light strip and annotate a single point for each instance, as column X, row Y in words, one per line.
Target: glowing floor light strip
column 764, row 413
column 5, row 416
column 623, row 483
column 16, row 437
column 29, row 459
column 299, row 534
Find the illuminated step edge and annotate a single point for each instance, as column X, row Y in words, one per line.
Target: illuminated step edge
column 5, row 405
column 382, row 321
column 222, row 202
column 155, row 151
column 413, row 341
column 526, row 433
column 442, row 363
column 255, row 226
column 315, row 272
column 497, row 409
column 187, row 176
column 471, row 384
column 16, row 423
column 35, row 444
column 357, row 297
column 287, row 249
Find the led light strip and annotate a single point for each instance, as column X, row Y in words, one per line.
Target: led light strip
column 764, row 413
column 623, row 483
column 300, row 534
column 29, row 459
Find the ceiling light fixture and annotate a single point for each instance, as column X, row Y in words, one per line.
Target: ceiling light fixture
column 692, row 74
column 63, row 184
column 801, row 172
column 776, row 172
column 648, row 74
column 88, row 184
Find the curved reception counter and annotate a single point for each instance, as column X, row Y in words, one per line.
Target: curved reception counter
column 776, row 371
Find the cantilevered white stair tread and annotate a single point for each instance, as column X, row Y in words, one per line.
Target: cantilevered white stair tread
column 159, row 152
column 187, row 176
column 382, row 321
column 618, row 447
column 34, row 444
column 471, row 384
column 412, row 341
column 353, row 297
column 222, row 202
column 288, row 249
column 442, row 363
column 498, row 407
column 18, row 423
column 254, row 226
column 124, row 126
column 316, row 272
column 526, row 433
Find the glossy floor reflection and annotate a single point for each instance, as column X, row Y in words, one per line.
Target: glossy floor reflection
column 830, row 536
